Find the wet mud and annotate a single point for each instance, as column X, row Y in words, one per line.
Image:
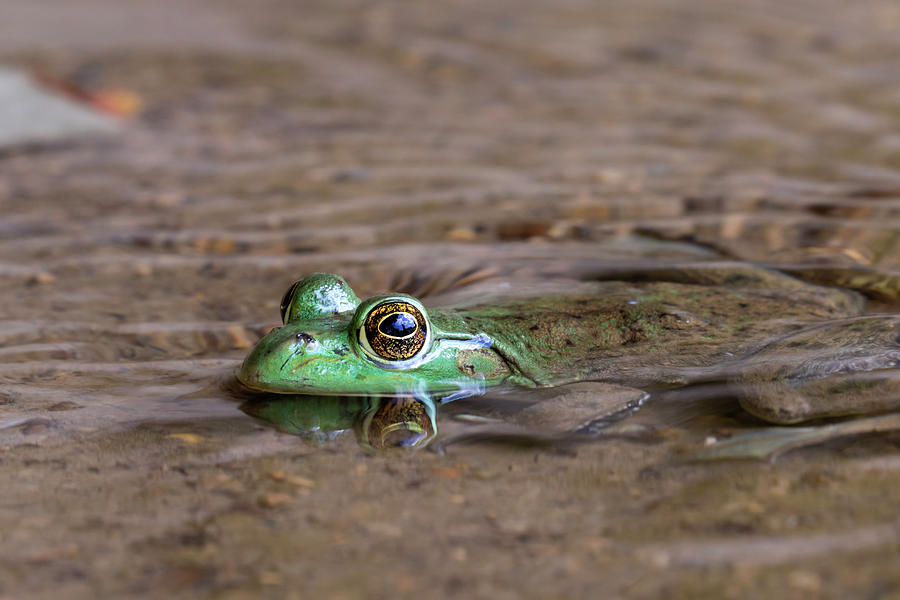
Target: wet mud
column 448, row 149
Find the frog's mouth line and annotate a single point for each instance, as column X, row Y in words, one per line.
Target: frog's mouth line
column 307, row 361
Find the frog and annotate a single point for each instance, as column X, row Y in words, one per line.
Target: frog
column 638, row 331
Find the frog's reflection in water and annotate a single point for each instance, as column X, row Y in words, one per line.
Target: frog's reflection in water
column 379, row 422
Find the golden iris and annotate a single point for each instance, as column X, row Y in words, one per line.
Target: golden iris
column 395, row 330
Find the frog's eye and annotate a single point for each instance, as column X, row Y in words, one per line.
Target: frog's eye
column 286, row 300
column 394, row 330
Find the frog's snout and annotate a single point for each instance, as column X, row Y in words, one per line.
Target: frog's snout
column 276, row 356
column 292, row 348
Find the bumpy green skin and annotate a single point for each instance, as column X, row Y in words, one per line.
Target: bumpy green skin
column 613, row 330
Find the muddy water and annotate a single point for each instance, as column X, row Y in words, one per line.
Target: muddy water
column 428, row 149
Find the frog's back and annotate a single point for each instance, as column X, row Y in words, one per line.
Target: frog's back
column 608, row 329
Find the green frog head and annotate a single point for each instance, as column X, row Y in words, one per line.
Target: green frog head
column 333, row 343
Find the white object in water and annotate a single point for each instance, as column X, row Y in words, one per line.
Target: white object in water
column 29, row 114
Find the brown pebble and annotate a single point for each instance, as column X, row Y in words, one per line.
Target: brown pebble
column 522, row 230
column 459, row 554
column 187, row 438
column 56, row 553
column 292, row 479
column 43, row 277
column 270, row 578
column 273, row 499
column 610, row 176
column 35, row 426
column 448, row 472
column 805, row 581
column 461, row 234
column 560, row 230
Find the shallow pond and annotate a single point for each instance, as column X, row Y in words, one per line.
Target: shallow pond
column 727, row 194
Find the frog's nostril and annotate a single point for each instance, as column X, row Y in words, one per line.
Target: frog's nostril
column 305, row 338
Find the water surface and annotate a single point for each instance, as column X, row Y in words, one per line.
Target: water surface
column 434, row 150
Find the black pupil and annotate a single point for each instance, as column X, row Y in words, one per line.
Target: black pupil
column 398, row 325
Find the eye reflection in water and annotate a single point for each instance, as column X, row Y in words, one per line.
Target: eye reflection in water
column 404, row 422
column 379, row 422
